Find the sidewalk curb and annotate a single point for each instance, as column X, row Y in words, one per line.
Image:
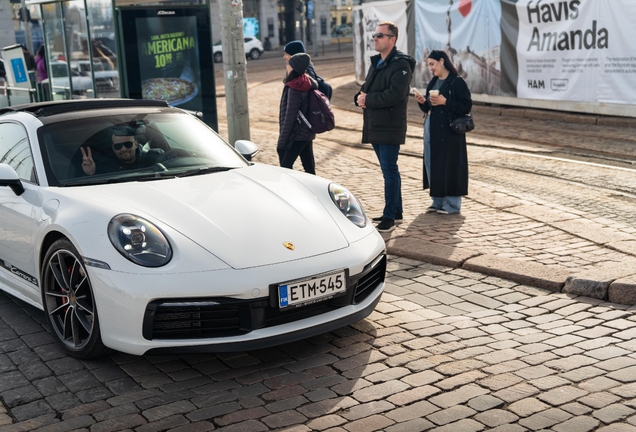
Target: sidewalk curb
column 433, row 253
column 623, row 291
column 527, row 273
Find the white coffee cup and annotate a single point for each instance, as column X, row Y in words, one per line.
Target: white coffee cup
column 434, row 92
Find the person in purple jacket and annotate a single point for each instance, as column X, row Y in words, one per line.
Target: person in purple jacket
column 40, row 64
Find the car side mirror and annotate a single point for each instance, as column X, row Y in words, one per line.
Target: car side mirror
column 8, row 177
column 246, row 148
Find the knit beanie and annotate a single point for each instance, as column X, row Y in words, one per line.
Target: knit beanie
column 300, row 62
column 294, row 47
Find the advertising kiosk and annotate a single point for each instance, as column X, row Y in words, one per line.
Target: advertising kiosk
column 166, row 54
column 126, row 48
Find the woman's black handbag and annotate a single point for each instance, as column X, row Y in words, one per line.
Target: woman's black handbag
column 462, row 124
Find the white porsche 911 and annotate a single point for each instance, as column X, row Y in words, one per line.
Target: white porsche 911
column 135, row 227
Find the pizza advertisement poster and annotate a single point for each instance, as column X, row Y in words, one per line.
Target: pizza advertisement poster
column 169, row 60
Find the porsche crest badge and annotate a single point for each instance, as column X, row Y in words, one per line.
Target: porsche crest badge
column 289, row 245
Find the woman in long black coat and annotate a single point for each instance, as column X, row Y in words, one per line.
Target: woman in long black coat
column 445, row 155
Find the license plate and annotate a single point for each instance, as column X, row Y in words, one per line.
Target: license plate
column 311, row 290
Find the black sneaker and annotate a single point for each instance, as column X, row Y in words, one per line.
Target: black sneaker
column 386, row 225
column 398, row 219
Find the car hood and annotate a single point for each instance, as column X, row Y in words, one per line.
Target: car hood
column 243, row 216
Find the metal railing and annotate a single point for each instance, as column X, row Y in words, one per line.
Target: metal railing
column 6, row 91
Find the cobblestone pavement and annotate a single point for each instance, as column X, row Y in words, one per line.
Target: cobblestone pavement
column 447, row 349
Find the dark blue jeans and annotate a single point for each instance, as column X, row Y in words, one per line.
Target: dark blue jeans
column 388, row 156
column 304, row 149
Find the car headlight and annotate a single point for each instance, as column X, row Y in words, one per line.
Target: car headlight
column 348, row 204
column 139, row 240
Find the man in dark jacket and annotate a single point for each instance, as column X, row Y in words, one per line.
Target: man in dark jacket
column 384, row 97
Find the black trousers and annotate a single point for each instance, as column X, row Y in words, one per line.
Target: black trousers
column 304, row 149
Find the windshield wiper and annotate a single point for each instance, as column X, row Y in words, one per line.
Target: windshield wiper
column 83, row 181
column 206, row 170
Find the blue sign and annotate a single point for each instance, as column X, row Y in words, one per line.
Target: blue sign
column 283, row 293
column 310, row 9
column 19, row 71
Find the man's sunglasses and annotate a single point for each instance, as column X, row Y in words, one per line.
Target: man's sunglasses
column 381, row 35
column 128, row 145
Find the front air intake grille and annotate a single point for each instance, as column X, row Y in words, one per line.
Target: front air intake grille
column 369, row 281
column 196, row 319
column 201, row 318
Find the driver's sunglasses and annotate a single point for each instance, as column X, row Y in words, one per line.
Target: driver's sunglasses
column 128, row 145
column 381, row 35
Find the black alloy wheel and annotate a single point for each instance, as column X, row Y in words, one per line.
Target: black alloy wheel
column 69, row 303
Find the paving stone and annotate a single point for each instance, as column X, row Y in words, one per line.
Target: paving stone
column 577, row 424
column 584, row 373
column 326, row 422
column 411, row 412
column 379, row 391
column 501, row 381
column 412, row 395
column 626, row 391
column 123, row 422
column 509, row 366
column 287, row 404
column 282, row 419
column 562, row 395
column 415, row 425
column 549, row 382
column 625, row 375
column 241, row 416
column 168, row 423
column 456, row 397
column 571, row 362
column 561, row 341
column 461, row 379
column 528, row 406
column 485, row 402
column 323, row 408
column 618, row 428
column 535, row 372
column 607, row 353
column 613, row 413
column 496, row 417
column 388, row 374
column 373, row 423
column 599, row 400
column 451, row 414
column 464, row 425
column 458, row 367
column 616, row 363
column 508, row 428
column 516, row 392
column 545, row 419
column 576, row 408
column 180, row 407
column 365, row 410
column 422, row 378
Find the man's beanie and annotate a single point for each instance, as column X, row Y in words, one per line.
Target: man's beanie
column 294, row 47
column 300, row 62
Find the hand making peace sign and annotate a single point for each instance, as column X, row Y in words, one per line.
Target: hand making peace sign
column 88, row 164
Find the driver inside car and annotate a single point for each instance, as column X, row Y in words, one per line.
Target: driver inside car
column 127, row 154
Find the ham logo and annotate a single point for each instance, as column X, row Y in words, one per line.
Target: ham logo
column 465, row 6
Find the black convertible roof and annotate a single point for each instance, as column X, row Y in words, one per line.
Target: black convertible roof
column 42, row 109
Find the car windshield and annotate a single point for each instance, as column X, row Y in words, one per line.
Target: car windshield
column 94, row 148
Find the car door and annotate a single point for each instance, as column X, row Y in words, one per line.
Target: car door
column 17, row 212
